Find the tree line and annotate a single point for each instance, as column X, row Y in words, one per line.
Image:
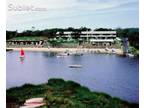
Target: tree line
column 131, row 33
column 50, row 32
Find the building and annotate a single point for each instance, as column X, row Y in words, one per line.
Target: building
column 97, row 38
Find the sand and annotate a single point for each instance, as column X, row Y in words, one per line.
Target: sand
column 84, row 50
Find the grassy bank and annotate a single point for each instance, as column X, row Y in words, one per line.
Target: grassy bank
column 30, row 38
column 67, row 94
column 134, row 51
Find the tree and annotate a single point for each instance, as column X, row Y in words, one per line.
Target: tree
column 11, row 34
column 131, row 33
column 103, row 29
column 84, row 29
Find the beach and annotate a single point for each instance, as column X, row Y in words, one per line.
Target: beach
column 72, row 50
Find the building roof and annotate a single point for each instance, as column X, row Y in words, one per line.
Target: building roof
column 90, row 32
column 101, row 40
column 98, row 32
column 65, row 33
column 94, row 35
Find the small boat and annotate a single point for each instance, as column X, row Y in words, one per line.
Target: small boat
column 9, row 49
column 75, row 66
column 62, row 55
column 78, row 54
column 22, row 53
column 59, row 56
column 130, row 55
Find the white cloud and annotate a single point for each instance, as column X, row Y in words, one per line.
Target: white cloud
column 71, row 4
column 61, row 9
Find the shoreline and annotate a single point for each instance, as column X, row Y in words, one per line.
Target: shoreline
column 84, row 50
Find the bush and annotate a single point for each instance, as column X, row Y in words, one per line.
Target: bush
column 72, row 85
column 67, row 94
column 55, row 82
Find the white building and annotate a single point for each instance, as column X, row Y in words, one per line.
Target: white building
column 99, row 38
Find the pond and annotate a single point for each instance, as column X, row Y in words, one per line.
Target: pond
column 115, row 75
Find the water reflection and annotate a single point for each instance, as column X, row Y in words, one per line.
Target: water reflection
column 22, row 60
column 48, row 54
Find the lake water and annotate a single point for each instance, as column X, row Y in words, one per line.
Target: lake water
column 117, row 76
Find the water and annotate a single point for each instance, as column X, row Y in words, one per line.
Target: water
column 117, row 76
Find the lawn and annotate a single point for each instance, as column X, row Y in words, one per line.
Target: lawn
column 32, row 38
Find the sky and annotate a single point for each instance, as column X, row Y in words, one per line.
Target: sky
column 44, row 14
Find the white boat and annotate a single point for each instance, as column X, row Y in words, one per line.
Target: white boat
column 75, row 66
column 77, row 53
column 63, row 55
column 130, row 55
column 59, row 56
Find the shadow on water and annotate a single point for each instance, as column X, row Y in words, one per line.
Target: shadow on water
column 49, row 54
column 22, row 60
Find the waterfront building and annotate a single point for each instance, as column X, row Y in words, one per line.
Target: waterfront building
column 97, row 38
column 89, row 39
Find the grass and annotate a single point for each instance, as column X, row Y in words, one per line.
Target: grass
column 67, row 94
column 134, row 51
column 32, row 38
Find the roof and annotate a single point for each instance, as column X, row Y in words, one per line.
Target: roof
column 91, row 35
column 98, row 32
column 91, row 32
column 101, row 40
column 67, row 32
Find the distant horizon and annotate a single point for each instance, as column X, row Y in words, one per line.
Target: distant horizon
column 22, row 15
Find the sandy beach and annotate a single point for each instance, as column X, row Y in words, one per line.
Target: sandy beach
column 72, row 50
